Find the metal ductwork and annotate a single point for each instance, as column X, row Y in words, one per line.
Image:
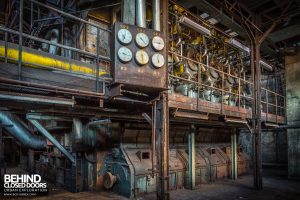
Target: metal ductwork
column 141, row 13
column 156, row 14
column 21, row 132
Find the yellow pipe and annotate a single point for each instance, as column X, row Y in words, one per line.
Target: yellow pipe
column 35, row 61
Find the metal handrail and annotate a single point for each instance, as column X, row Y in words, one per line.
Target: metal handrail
column 8, row 30
column 20, row 33
column 224, row 91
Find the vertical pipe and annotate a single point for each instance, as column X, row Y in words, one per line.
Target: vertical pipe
column 62, row 51
column 128, row 11
column 191, row 142
column 156, row 14
column 31, row 17
column 6, row 46
column 97, row 60
column 153, row 137
column 20, row 39
column 141, row 13
column 233, row 154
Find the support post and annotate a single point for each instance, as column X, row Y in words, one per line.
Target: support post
column 233, row 154
column 191, row 141
column 162, row 142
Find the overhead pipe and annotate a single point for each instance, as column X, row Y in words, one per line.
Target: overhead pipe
column 20, row 131
column 35, row 99
column 141, row 13
column 156, row 14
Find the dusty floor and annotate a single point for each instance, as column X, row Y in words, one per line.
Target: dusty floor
column 276, row 186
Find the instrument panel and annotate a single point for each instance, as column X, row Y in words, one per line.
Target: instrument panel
column 139, row 60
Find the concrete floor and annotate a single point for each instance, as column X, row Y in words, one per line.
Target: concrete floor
column 276, row 186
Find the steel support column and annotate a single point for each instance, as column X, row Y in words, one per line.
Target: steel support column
column 233, row 154
column 192, row 169
column 162, row 143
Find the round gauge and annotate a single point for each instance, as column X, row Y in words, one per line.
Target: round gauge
column 124, row 54
column 124, row 36
column 141, row 57
column 158, row 60
column 141, row 40
column 158, row 43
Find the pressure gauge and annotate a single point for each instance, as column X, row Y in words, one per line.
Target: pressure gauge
column 141, row 40
column 158, row 43
column 158, row 60
column 141, row 57
column 124, row 36
column 124, row 54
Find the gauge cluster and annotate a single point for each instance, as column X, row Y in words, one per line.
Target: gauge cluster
column 139, row 57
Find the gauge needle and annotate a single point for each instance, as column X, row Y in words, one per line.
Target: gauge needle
column 125, row 54
column 143, row 40
column 142, row 57
column 157, row 59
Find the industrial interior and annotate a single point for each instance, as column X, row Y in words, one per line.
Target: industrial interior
column 152, row 99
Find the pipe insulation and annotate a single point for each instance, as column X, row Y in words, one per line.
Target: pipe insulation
column 38, row 59
column 20, row 131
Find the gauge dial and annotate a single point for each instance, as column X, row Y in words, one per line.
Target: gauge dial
column 158, row 60
column 124, row 54
column 158, row 43
column 124, row 36
column 141, row 40
column 141, row 57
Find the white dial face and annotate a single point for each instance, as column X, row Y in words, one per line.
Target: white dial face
column 124, row 36
column 142, row 40
column 158, row 43
column 141, row 57
column 124, row 54
column 158, row 60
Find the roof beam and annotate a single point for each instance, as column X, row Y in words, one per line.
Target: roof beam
column 285, row 33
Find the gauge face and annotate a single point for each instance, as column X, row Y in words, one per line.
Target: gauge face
column 124, row 54
column 158, row 60
column 124, row 36
column 141, row 57
column 141, row 40
column 158, row 43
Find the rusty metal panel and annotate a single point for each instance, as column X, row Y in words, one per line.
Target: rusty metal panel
column 202, row 170
column 91, row 38
column 218, row 164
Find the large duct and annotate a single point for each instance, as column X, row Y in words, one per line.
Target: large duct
column 156, row 14
column 141, row 13
column 20, row 131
